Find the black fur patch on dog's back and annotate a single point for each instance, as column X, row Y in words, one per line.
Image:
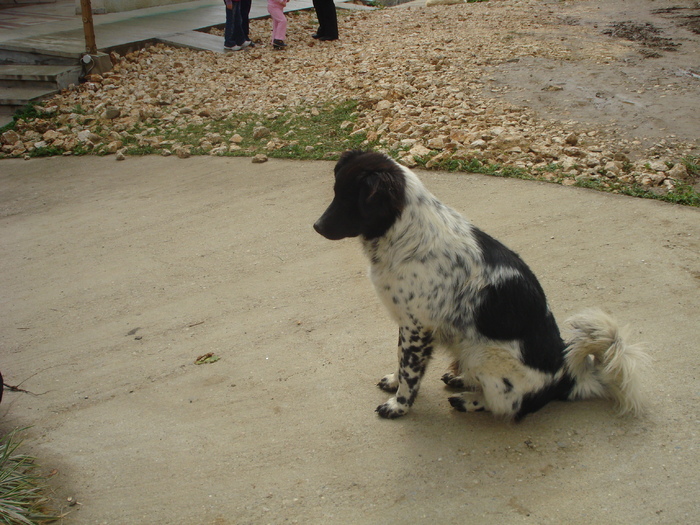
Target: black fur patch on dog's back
column 515, row 307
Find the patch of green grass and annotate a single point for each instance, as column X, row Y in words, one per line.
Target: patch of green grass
column 683, row 194
column 301, row 133
column 320, row 130
column 28, row 112
column 47, row 151
column 692, row 164
column 550, row 168
column 476, row 166
column 22, row 499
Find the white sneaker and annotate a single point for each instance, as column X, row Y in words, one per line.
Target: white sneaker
column 247, row 43
column 234, row 48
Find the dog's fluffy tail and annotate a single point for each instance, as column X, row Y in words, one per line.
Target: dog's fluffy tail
column 603, row 364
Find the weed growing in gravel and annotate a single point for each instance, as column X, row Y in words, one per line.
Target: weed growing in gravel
column 683, row 194
column 692, row 164
column 475, row 166
column 48, row 151
column 22, row 499
column 28, row 112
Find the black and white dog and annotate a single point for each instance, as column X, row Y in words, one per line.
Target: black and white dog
column 447, row 283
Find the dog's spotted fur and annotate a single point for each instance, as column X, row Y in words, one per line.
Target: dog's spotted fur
column 448, row 283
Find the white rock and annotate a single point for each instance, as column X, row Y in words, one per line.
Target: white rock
column 657, row 165
column 419, row 150
column 679, row 172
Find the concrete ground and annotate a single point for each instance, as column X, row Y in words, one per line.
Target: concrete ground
column 116, row 276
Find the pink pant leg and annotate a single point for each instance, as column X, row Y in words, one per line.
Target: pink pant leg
column 279, row 21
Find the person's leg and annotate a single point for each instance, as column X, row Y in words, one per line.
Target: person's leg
column 331, row 17
column 282, row 27
column 327, row 19
column 279, row 21
column 272, row 10
column 245, row 18
column 238, row 36
column 318, row 7
column 228, row 30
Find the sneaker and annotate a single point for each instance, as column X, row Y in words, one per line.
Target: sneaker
column 278, row 44
column 247, row 43
column 234, row 48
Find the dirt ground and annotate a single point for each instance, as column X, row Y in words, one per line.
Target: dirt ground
column 643, row 84
column 117, row 276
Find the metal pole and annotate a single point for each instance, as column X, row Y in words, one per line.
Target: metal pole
column 86, row 10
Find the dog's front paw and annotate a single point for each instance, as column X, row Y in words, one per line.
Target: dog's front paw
column 392, row 409
column 468, row 402
column 389, row 383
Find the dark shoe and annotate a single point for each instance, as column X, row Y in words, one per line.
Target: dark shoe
column 327, row 38
column 279, row 44
column 315, row 35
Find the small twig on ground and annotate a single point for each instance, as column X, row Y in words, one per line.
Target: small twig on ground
column 12, row 388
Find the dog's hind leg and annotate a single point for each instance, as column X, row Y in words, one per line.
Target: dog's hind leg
column 499, row 395
column 453, row 377
column 468, row 401
column 415, row 350
column 503, row 381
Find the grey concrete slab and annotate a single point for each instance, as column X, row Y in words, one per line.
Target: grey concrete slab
column 22, row 96
column 39, row 76
column 30, row 72
column 195, row 40
column 68, row 44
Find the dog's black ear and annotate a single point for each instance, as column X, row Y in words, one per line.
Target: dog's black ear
column 345, row 158
column 381, row 201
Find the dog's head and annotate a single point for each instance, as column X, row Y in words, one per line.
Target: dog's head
column 370, row 193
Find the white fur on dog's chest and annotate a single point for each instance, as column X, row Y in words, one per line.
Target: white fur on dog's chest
column 399, row 292
column 415, row 292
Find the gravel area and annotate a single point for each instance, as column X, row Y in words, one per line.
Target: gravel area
column 432, row 84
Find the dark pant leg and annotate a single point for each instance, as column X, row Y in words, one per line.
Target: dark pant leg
column 228, row 30
column 327, row 18
column 238, row 36
column 245, row 17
